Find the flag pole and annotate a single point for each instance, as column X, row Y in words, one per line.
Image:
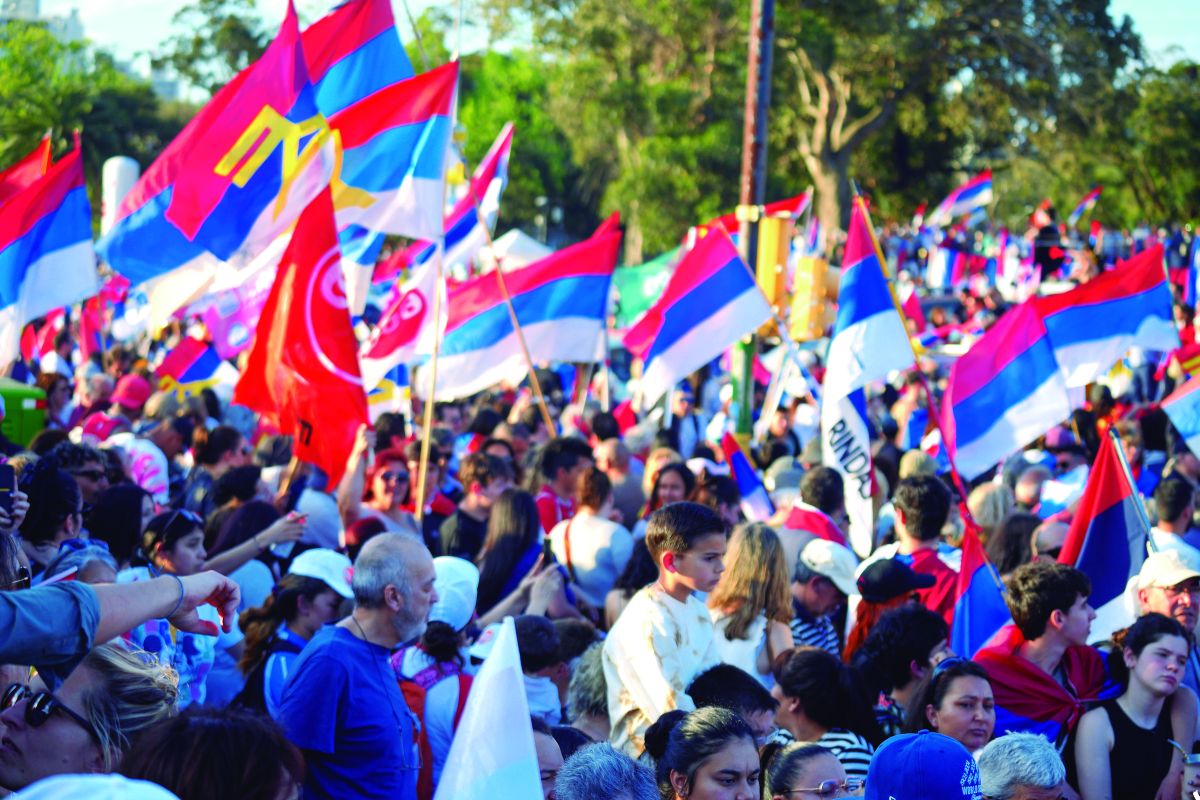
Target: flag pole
column 1128, row 472
column 512, row 315
column 427, row 411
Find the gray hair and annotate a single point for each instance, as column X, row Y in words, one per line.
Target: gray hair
column 598, row 770
column 383, row 561
column 78, row 560
column 587, row 693
column 1015, row 760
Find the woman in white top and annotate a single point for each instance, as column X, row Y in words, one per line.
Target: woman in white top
column 592, row 547
column 751, row 606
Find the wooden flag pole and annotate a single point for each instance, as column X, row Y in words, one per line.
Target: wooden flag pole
column 512, row 315
column 427, row 415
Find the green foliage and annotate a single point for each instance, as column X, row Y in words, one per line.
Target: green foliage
column 649, row 95
column 48, row 85
column 513, row 87
column 217, row 39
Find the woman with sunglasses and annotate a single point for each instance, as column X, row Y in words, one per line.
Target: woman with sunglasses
column 173, row 544
column 957, row 702
column 804, row 771
column 380, row 493
column 89, row 723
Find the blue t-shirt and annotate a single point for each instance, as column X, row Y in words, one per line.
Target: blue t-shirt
column 342, row 706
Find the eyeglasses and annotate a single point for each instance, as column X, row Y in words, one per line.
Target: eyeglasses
column 1050, row 552
column 830, row 786
column 23, row 581
column 397, row 476
column 41, row 705
column 1191, row 588
column 91, row 474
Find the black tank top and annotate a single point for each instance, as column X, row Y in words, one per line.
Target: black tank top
column 1140, row 758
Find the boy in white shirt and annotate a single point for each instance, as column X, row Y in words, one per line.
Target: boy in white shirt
column 664, row 637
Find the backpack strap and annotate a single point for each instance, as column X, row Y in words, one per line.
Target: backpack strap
column 464, row 687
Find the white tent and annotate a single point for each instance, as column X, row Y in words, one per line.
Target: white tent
column 514, row 249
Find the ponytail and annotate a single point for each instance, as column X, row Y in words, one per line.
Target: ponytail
column 831, row 693
column 261, row 625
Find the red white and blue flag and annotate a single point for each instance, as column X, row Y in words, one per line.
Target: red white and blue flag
column 1107, row 539
column 464, row 233
column 974, row 194
column 46, row 256
column 710, row 302
column 1085, row 205
column 792, row 206
column 868, row 342
column 351, row 53
column 560, row 302
column 1013, row 383
column 979, row 607
column 756, row 503
column 192, row 366
column 407, row 329
column 1183, row 409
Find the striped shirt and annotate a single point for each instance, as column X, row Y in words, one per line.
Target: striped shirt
column 814, row 631
column 852, row 750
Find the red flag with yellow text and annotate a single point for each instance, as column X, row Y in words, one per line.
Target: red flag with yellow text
column 302, row 374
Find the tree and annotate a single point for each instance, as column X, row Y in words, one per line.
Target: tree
column 217, row 40
column 649, row 94
column 48, row 85
column 503, row 87
column 849, row 67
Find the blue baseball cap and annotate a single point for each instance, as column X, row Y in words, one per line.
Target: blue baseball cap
column 919, row 766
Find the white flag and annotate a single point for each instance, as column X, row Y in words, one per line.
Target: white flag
column 492, row 756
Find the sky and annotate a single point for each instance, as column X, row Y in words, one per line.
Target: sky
column 128, row 27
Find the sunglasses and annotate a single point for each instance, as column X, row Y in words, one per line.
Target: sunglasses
column 90, row 474
column 75, row 545
column 947, row 663
column 396, row 476
column 40, row 706
column 194, row 520
column 23, row 580
column 830, row 786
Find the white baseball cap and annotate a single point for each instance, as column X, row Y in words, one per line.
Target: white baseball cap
column 94, row 787
column 456, row 582
column 325, row 565
column 833, row 561
column 1166, row 568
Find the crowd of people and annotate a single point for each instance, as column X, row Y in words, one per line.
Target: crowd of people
column 195, row 613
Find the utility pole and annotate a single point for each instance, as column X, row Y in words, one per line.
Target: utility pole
column 753, row 190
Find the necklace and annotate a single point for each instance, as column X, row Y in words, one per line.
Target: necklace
column 363, row 633
column 412, row 759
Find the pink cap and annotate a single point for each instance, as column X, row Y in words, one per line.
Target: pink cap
column 132, row 391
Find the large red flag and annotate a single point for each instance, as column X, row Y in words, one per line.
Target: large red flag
column 302, row 374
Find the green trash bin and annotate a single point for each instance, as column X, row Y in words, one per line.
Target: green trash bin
column 24, row 411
